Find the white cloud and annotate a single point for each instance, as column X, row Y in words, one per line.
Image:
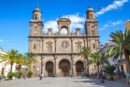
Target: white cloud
column 75, row 18
column 116, row 4
column 117, row 23
column 76, row 21
column 1, row 40
column 105, row 26
column 51, row 24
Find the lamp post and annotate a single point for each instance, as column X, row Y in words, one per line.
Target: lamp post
column 101, row 50
column 25, row 64
column 41, row 76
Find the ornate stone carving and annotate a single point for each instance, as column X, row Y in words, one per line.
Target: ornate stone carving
column 49, row 46
column 64, row 44
column 78, row 45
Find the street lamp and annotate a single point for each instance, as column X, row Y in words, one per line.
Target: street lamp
column 26, row 68
column 101, row 50
column 41, row 68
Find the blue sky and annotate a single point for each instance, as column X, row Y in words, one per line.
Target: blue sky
column 16, row 14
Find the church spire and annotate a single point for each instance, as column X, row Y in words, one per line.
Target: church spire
column 37, row 5
column 90, row 15
column 89, row 3
column 37, row 15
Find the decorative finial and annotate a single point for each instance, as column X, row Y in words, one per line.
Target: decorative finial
column 37, row 4
column 89, row 6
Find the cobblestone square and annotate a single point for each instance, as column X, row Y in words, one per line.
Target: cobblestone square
column 61, row 82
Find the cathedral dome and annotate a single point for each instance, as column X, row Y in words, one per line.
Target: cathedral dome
column 90, row 9
column 37, row 9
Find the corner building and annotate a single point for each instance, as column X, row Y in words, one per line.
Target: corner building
column 57, row 54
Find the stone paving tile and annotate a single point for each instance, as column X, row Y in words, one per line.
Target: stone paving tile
column 61, row 82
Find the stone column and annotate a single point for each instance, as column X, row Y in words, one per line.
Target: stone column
column 74, row 68
column 55, row 45
column 42, row 46
column 55, row 57
column 72, row 72
column 42, row 65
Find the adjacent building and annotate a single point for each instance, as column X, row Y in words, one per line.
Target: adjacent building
column 4, row 66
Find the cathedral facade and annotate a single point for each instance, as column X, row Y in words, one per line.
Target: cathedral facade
column 57, row 54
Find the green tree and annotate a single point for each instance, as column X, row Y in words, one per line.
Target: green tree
column 95, row 59
column 85, row 53
column 20, row 60
column 109, row 69
column 30, row 59
column 10, row 57
column 121, row 46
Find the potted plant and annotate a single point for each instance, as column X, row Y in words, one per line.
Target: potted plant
column 30, row 73
column 109, row 69
column 10, row 75
column 20, row 73
column 16, row 74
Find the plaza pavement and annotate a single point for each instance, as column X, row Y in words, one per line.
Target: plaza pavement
column 61, row 82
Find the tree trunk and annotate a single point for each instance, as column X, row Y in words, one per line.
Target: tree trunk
column 19, row 68
column 11, row 64
column 86, row 67
column 98, row 70
column 112, row 78
column 127, row 61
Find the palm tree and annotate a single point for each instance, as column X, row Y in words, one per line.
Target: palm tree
column 85, row 53
column 30, row 59
column 109, row 69
column 121, row 46
column 2, row 59
column 95, row 59
column 10, row 57
column 20, row 60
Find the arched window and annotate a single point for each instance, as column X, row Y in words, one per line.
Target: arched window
column 35, row 29
column 91, row 16
column 36, row 16
column 64, row 31
column 93, row 32
column 34, row 46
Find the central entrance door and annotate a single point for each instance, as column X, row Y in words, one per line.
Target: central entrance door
column 64, row 66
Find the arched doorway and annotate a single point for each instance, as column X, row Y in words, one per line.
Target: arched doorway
column 79, row 68
column 65, row 67
column 49, row 68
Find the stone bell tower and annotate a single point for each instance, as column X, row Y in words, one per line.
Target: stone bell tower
column 127, row 25
column 91, row 24
column 91, row 29
column 36, row 24
column 64, row 23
